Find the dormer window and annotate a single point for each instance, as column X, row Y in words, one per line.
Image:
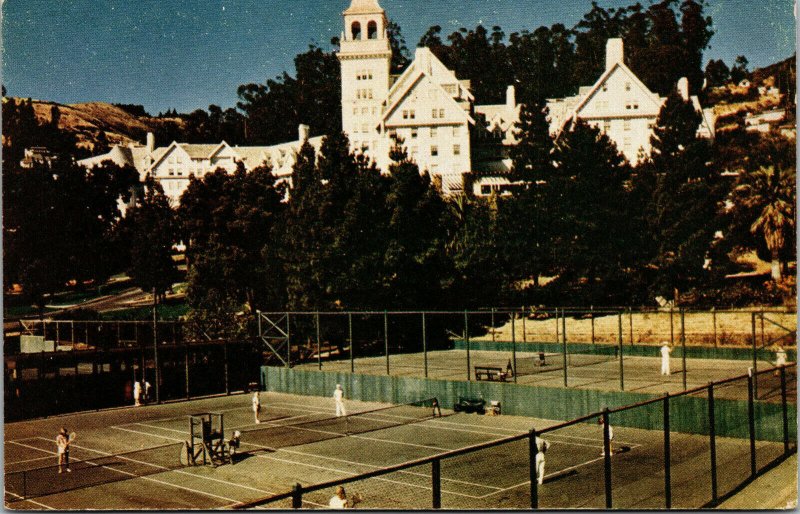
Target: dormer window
column 627, row 86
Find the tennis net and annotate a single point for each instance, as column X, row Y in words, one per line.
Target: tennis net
column 275, row 435
column 542, row 362
column 105, row 469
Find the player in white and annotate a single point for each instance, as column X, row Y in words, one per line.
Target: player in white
column 256, row 406
column 338, row 397
column 137, row 393
column 541, row 448
column 780, row 358
column 147, row 387
column 665, row 351
column 339, row 500
column 610, row 438
column 62, row 445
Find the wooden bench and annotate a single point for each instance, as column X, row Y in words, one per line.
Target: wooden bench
column 490, row 373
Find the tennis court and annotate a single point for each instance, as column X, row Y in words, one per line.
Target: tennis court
column 129, row 458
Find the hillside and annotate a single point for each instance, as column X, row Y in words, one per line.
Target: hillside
column 88, row 120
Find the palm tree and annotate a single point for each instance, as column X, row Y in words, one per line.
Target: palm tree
column 772, row 194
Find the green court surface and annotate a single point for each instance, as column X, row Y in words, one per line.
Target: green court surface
column 496, row 477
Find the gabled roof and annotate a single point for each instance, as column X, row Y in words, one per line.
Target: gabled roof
column 603, row 78
column 167, row 150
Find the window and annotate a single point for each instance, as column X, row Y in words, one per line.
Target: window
column 372, row 30
column 435, row 113
column 456, row 131
column 355, row 129
column 414, row 152
column 405, row 115
column 370, row 93
column 456, row 149
column 433, row 132
column 434, row 169
column 412, row 114
column 365, row 110
column 606, row 126
column 355, row 111
column 604, row 87
column 627, row 125
column 627, row 86
column 441, row 113
column 369, row 74
column 627, row 143
column 450, row 89
column 413, row 133
column 364, row 128
column 434, row 151
column 355, row 30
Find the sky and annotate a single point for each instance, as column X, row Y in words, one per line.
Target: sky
column 188, row 54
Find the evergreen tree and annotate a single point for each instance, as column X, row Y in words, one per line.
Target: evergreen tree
column 531, row 156
column 717, row 73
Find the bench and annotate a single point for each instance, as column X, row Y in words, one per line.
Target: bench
column 490, row 373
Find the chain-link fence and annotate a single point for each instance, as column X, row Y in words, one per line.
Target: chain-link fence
column 695, row 453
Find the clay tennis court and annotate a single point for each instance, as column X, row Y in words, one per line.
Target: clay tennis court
column 132, row 460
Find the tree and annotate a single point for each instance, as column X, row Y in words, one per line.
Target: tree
column 717, row 73
column 397, row 43
column 739, row 71
column 685, row 199
column 151, row 230
column 531, row 156
column 769, row 193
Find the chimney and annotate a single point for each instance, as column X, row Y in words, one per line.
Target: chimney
column 511, row 97
column 302, row 132
column 683, row 88
column 423, row 55
column 615, row 52
column 151, row 142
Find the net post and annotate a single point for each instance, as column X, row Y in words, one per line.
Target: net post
column 755, row 351
column 297, row 496
column 683, row 347
column 319, row 341
column 564, row 345
column 712, row 434
column 667, row 455
column 350, row 336
column 436, row 484
column 288, row 342
column 466, row 338
column 424, row 344
column 785, row 412
column 514, row 345
column 607, row 457
column 751, row 423
column 386, row 339
column 533, row 449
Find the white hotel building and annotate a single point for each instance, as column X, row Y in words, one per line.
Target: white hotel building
column 431, row 110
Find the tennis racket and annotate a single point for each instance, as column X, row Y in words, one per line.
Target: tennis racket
column 356, row 499
column 72, row 436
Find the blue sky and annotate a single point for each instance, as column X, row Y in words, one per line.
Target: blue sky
column 186, row 54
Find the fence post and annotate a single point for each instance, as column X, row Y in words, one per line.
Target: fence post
column 424, row 344
column 712, row 434
column 755, row 350
column 630, row 322
column 524, row 335
column 350, row 336
column 319, row 341
column 714, row 324
column 591, row 311
column 386, row 339
column 186, row 367
column 785, row 412
column 225, row 358
column 436, row 483
column 288, row 342
column 671, row 327
column 607, row 456
column 493, row 336
column 564, row 348
column 466, row 338
column 621, row 365
column 155, row 347
column 533, row 449
column 751, row 423
column 683, row 347
column 297, row 496
column 667, row 454
column 514, row 345
column 558, row 335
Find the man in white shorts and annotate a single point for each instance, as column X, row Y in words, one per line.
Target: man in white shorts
column 665, row 351
column 338, row 397
column 137, row 393
column 256, row 406
column 62, row 445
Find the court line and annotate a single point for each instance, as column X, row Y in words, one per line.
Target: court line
column 134, row 475
column 26, row 460
column 21, row 499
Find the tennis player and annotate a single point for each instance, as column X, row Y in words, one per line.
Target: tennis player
column 780, row 358
column 62, row 444
column 610, row 438
column 256, row 406
column 338, row 397
column 137, row 393
column 340, row 501
column 665, row 351
column 540, row 462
